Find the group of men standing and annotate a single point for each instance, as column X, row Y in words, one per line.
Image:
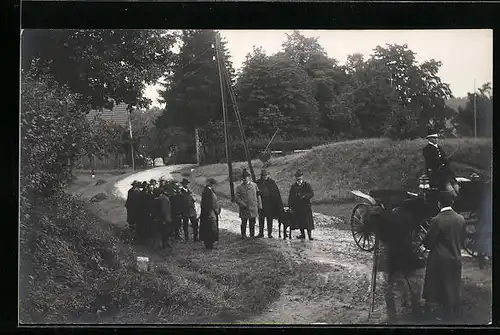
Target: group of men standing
column 262, row 200
column 156, row 212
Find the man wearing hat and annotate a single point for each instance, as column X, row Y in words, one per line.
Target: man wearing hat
column 437, row 164
column 131, row 205
column 248, row 200
column 188, row 211
column 272, row 205
column 209, row 216
column 445, row 241
column 176, row 201
column 299, row 200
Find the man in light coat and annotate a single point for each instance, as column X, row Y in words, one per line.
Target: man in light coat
column 165, row 219
column 248, row 200
column 445, row 241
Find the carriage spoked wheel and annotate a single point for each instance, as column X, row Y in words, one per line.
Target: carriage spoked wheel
column 363, row 234
column 470, row 228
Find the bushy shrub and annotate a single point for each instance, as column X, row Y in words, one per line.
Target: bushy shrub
column 53, row 130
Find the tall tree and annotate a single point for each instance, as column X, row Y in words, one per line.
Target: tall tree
column 274, row 91
column 100, row 64
column 192, row 90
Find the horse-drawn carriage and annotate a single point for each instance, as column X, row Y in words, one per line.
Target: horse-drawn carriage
column 420, row 207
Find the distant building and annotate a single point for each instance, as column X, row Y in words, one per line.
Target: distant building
column 118, row 115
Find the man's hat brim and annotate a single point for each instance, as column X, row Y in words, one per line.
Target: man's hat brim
column 432, row 136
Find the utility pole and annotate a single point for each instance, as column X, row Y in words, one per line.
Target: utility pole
column 240, row 126
column 197, row 140
column 131, row 142
column 224, row 113
column 475, row 122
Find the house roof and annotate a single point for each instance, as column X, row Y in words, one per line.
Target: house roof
column 118, row 115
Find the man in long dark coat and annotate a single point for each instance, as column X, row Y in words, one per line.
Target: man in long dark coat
column 272, row 205
column 445, row 241
column 176, row 203
column 131, row 205
column 151, row 210
column 188, row 211
column 209, row 216
column 142, row 214
column 299, row 200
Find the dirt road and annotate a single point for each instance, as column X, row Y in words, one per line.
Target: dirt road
column 334, row 282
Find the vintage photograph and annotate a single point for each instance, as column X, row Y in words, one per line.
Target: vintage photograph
column 256, row 177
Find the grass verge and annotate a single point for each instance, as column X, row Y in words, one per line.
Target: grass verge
column 337, row 168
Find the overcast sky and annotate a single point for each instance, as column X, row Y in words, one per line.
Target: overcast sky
column 466, row 54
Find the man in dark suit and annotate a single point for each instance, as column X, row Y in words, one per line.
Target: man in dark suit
column 299, row 200
column 272, row 205
column 445, row 241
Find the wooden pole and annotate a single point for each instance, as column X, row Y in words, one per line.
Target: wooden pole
column 131, row 142
column 197, row 140
column 374, row 276
column 224, row 113
column 240, row 126
column 475, row 123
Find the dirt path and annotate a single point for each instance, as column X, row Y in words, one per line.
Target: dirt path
column 334, row 281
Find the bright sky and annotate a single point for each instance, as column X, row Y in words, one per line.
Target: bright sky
column 466, row 54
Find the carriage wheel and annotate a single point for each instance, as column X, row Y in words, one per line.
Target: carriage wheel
column 470, row 239
column 361, row 231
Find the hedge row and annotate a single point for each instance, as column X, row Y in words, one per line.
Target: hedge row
column 217, row 153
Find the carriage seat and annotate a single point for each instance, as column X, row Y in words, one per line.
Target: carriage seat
column 390, row 197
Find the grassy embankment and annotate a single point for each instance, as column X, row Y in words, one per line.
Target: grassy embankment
column 77, row 266
column 337, row 168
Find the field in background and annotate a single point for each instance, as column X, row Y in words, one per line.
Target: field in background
column 337, row 168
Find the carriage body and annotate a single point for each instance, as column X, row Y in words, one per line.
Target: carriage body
column 420, row 207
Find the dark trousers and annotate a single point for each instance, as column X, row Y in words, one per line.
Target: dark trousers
column 251, row 222
column 185, row 227
column 177, row 223
column 269, row 220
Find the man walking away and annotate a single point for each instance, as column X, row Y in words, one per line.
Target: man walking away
column 299, row 200
column 272, row 205
column 188, row 211
column 248, row 200
column 401, row 265
column 209, row 216
column 444, row 265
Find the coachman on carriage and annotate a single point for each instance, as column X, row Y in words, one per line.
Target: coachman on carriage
column 420, row 206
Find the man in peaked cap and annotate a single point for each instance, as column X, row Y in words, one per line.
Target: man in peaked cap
column 437, row 164
column 272, row 205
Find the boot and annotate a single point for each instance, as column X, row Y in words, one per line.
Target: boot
column 261, row 227
column 309, row 235
column 270, row 229
column 243, row 231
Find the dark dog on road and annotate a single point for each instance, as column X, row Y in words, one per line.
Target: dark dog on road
column 287, row 220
